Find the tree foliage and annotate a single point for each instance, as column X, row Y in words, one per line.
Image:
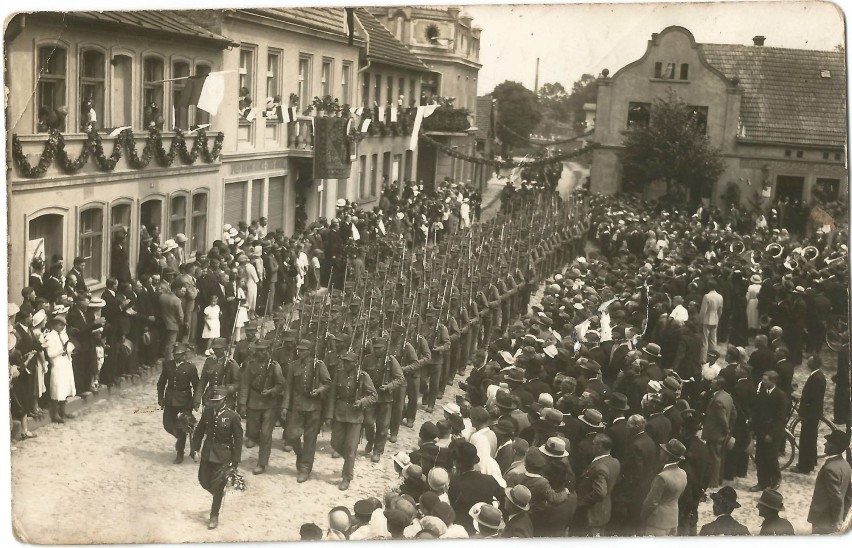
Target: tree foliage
column 673, row 148
column 518, row 109
column 584, row 90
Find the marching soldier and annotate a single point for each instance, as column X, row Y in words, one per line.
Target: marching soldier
column 451, row 357
column 307, row 381
column 260, row 399
column 222, row 434
column 218, row 370
column 437, row 332
column 386, row 374
column 178, row 382
column 351, row 393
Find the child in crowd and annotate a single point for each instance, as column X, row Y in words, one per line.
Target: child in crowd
column 212, row 314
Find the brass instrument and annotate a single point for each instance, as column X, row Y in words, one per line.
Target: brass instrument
column 756, row 257
column 775, row 250
column 810, row 253
column 737, row 247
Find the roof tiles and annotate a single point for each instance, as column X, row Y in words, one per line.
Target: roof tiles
column 384, row 47
column 155, row 20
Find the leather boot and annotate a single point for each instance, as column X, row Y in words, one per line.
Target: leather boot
column 63, row 413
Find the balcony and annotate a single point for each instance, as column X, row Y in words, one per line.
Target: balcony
column 446, row 119
column 54, row 155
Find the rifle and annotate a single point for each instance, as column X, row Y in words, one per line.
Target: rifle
column 360, row 309
column 317, row 339
column 363, row 344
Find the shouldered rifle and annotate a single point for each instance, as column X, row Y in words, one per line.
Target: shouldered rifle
column 361, row 350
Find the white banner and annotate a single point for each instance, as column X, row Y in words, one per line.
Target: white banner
column 422, row 112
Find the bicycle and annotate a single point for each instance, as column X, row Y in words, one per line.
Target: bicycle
column 837, row 332
column 793, row 429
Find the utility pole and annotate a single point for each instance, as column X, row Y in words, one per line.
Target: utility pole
column 535, row 89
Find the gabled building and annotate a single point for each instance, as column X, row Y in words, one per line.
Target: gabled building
column 777, row 114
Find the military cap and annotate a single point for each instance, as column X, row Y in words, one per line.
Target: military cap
column 290, row 335
column 349, row 357
column 261, row 345
column 180, row 348
column 219, row 393
column 219, row 343
column 304, row 344
column 250, row 328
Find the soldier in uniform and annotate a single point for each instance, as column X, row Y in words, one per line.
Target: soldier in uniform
column 260, row 399
column 222, row 433
column 307, row 381
column 386, row 374
column 218, row 370
column 175, row 389
column 437, row 333
column 348, row 398
column 242, row 348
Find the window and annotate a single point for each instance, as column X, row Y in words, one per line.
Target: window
column 52, row 67
column 273, row 85
column 152, row 92
column 401, row 91
column 365, row 89
column 177, row 215
column 374, row 160
column 276, row 203
column 799, row 154
column 827, row 189
column 91, row 241
column 638, row 115
column 377, row 90
column 119, row 218
column 666, row 70
column 788, row 153
column 92, row 77
column 362, row 174
column 684, row 71
column 201, row 116
column 387, row 173
column 345, row 76
column 304, row 80
column 198, row 238
column 825, row 155
column 246, row 80
column 389, row 91
column 658, row 70
column 838, row 156
column 180, row 69
column 325, row 77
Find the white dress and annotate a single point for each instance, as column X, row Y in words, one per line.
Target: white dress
column 752, row 314
column 211, row 328
column 59, row 348
column 251, row 279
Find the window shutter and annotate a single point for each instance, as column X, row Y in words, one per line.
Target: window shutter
column 275, row 213
column 256, row 199
column 235, row 202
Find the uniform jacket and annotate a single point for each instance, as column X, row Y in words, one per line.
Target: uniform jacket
column 177, row 384
column 594, row 490
column 383, row 371
column 261, row 385
column 832, row 493
column 660, row 508
column 343, row 392
column 720, row 418
column 303, row 376
column 222, row 434
column 724, row 525
column 218, row 372
column 441, row 344
column 411, row 364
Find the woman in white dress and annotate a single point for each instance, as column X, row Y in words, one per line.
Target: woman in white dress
column 242, row 313
column 248, row 273
column 752, row 314
column 59, row 348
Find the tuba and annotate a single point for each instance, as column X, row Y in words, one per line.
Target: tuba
column 810, row 253
column 737, row 247
column 775, row 250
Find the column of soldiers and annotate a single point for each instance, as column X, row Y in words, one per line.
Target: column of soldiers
column 359, row 361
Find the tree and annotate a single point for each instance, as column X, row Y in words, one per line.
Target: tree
column 555, row 112
column 672, row 147
column 584, row 90
column 518, row 110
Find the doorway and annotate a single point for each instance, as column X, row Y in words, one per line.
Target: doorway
column 789, row 187
column 151, row 215
column 49, row 229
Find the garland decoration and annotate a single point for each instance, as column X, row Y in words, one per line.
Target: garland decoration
column 54, row 149
column 547, row 144
column 507, row 163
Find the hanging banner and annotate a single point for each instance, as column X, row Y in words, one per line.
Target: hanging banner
column 331, row 154
column 422, row 112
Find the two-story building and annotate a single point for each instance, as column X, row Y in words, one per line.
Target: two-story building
column 777, row 114
column 67, row 72
column 448, row 43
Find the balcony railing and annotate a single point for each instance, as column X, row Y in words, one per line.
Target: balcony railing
column 54, row 154
column 447, row 119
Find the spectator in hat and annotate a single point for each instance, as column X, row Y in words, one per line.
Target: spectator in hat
column 594, row 489
column 414, row 482
column 80, row 278
column 119, row 259
column 81, row 325
column 709, row 315
column 171, row 314
column 768, row 419
column 339, row 524
column 724, row 504
column 429, row 454
column 769, row 505
column 695, row 464
column 660, row 508
column 810, row 411
column 639, row 467
column 487, row 521
column 469, row 487
column 719, row 421
column 832, row 497
column 516, row 507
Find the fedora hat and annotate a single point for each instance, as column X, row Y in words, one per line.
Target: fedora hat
column 592, row 417
column 504, row 426
column 413, row 471
column 505, row 401
column 514, row 374
column 674, row 448
column 486, row 515
column 839, row 438
column 771, row 499
column 553, row 417
column 618, row 401
column 554, row 447
column 652, row 349
column 691, row 419
column 465, row 454
column 401, row 458
column 727, row 496
column 520, row 496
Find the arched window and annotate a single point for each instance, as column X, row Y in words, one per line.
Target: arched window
column 201, row 116
column 198, row 238
column 153, row 73
column 122, row 90
column 177, row 215
column 180, row 69
column 638, row 115
column 51, row 94
column 92, row 85
column 91, row 241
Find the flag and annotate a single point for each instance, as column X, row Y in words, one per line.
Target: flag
column 359, row 111
column 365, row 123
column 422, row 112
column 393, row 114
column 380, row 114
column 204, row 92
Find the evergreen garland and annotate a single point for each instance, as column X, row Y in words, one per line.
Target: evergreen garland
column 54, row 149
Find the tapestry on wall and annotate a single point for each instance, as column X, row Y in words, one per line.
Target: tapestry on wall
column 331, row 148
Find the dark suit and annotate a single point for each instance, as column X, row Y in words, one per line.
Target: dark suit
column 518, row 526
column 175, row 390
column 640, row 465
column 810, row 411
column 119, row 262
column 594, row 495
column 785, row 376
column 724, row 525
column 768, row 418
column 719, row 420
column 659, row 427
column 832, row 495
column 696, row 465
column 429, row 455
column 761, row 361
column 469, row 488
column 222, row 435
column 80, row 327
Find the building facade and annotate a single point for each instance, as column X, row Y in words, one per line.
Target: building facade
column 98, row 68
column 777, row 114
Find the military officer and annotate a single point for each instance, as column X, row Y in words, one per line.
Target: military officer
column 222, row 434
column 307, row 381
column 218, row 370
column 386, row 374
column 175, row 389
column 348, row 397
column 260, row 399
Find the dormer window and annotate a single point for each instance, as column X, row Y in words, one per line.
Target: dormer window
column 684, row 71
column 669, row 71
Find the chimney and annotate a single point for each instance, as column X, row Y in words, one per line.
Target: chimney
column 759, row 40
